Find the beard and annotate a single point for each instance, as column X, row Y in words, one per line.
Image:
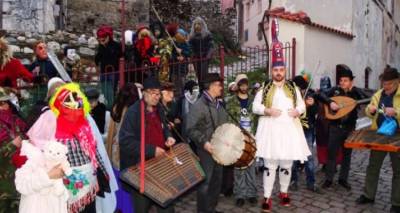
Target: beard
column 243, row 91
column 278, row 78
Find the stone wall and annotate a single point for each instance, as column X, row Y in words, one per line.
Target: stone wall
column 28, row 15
column 85, row 46
column 86, row 15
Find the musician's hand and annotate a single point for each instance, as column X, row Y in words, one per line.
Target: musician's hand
column 334, row 106
column 17, row 141
column 159, row 151
column 180, row 58
column 310, row 101
column 293, row 113
column 171, row 125
column 390, row 111
column 179, row 51
column 170, row 142
column 56, row 172
column 272, row 112
column 208, row 147
column 177, row 121
column 372, row 109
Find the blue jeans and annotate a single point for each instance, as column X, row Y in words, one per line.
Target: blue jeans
column 309, row 164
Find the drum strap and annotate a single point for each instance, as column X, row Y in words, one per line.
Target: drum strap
column 235, row 120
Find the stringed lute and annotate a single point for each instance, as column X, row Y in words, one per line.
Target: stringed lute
column 346, row 105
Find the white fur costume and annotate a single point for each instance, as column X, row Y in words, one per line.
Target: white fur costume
column 39, row 193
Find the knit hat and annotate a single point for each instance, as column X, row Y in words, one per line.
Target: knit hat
column 51, row 84
column 240, row 77
column 105, row 31
column 92, row 93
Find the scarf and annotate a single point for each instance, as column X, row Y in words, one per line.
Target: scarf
column 210, row 99
column 71, row 122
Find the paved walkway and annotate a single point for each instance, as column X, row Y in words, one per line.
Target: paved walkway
column 335, row 200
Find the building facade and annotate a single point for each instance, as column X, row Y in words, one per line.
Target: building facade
column 363, row 34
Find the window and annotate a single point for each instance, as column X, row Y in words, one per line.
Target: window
column 259, row 32
column 259, row 6
column 248, row 11
column 246, row 35
column 367, row 72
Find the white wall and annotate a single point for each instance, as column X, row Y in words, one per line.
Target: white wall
column 251, row 24
column 328, row 48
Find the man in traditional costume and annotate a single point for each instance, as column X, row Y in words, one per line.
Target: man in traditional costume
column 385, row 103
column 280, row 137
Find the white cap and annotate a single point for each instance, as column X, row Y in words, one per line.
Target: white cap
column 54, row 80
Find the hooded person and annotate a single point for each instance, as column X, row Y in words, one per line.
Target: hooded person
column 73, row 126
column 107, row 59
column 239, row 106
column 280, row 138
column 201, row 45
column 11, row 68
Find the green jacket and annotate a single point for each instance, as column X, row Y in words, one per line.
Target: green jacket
column 375, row 102
column 233, row 107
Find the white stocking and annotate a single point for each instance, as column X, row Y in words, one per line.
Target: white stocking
column 285, row 173
column 269, row 176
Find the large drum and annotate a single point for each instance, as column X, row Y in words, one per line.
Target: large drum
column 232, row 146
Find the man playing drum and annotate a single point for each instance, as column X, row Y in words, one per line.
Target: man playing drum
column 204, row 117
column 389, row 97
column 280, row 137
column 239, row 106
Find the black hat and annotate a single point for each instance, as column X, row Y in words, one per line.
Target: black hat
column 151, row 83
column 168, row 86
column 92, row 93
column 345, row 71
column 300, row 82
column 389, row 74
column 189, row 85
column 211, row 77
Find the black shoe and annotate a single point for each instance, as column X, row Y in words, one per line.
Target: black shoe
column 395, row 209
column 228, row 193
column 314, row 188
column 344, row 184
column 326, row 184
column 364, row 200
column 253, row 200
column 239, row 202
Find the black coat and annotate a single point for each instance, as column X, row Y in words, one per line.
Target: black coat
column 129, row 137
column 108, row 55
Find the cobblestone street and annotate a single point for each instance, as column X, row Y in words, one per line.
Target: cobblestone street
column 335, row 199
